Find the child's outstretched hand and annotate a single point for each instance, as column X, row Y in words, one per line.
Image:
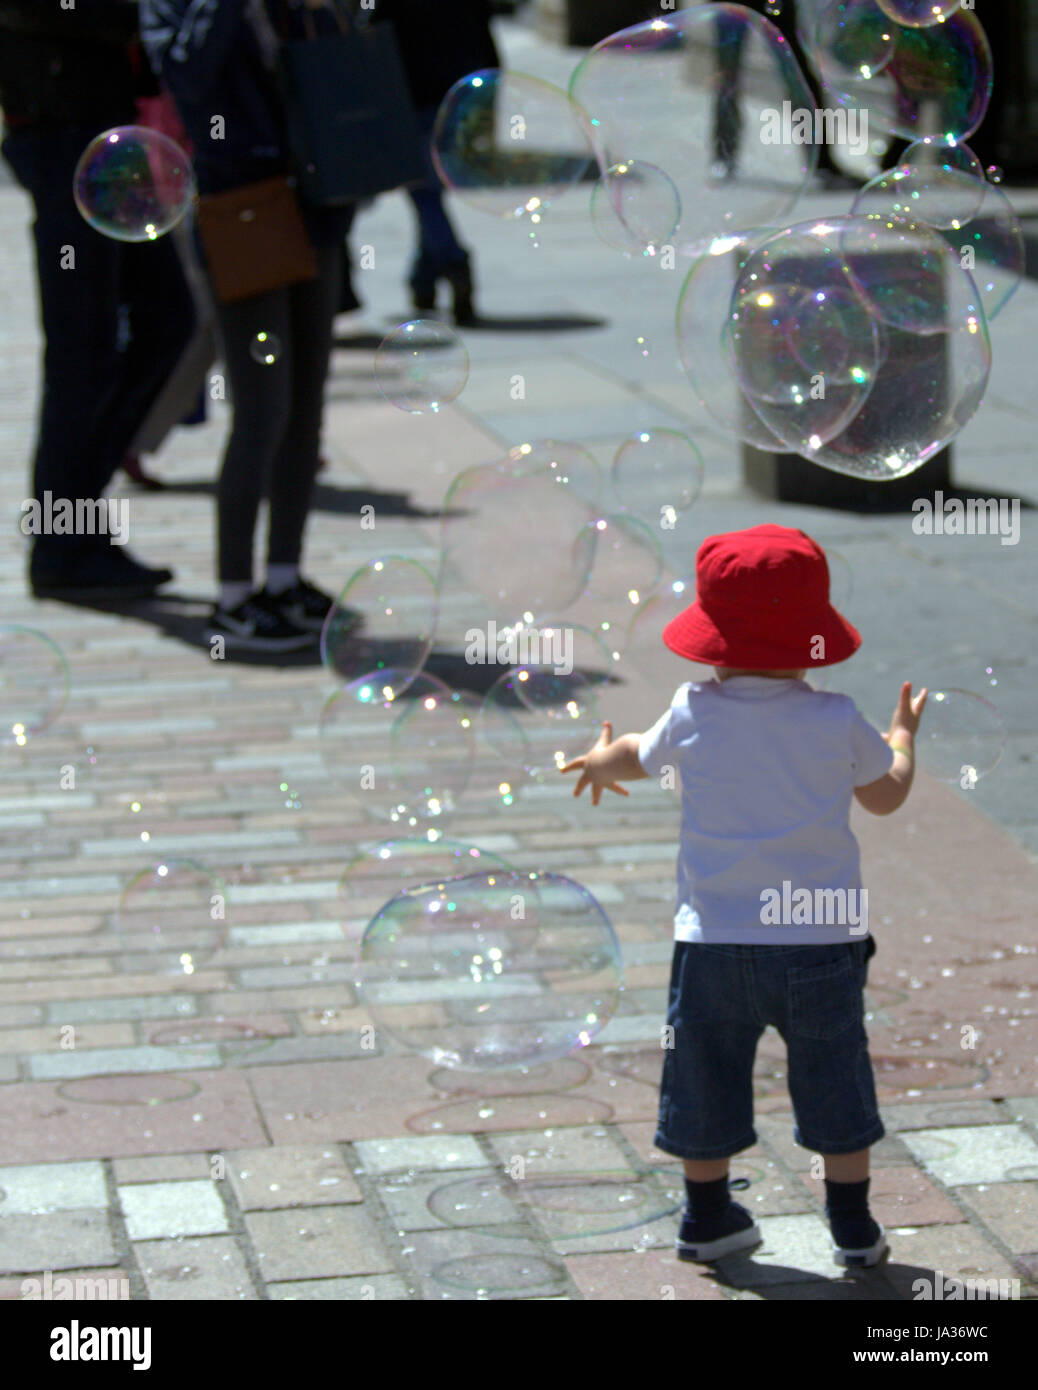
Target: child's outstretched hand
column 908, row 713
column 592, row 773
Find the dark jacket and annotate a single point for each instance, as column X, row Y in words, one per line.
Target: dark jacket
column 440, row 42
column 77, row 67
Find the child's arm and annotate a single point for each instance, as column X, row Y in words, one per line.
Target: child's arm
column 887, row 795
column 608, row 764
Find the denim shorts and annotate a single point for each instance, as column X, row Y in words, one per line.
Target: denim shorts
column 721, row 999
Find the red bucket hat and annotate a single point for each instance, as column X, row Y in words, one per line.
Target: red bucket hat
column 762, row 604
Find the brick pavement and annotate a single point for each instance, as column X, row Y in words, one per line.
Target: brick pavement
column 229, row 1134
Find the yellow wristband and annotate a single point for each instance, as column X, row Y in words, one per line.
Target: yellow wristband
column 900, row 748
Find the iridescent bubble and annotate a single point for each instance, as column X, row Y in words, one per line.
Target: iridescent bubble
column 561, row 670
column 265, row 348
column 937, row 81
column 421, row 366
column 34, row 683
column 700, row 94
column 904, row 271
column 704, row 344
column 628, row 565
column 384, row 618
column 507, row 970
column 378, row 873
column 807, row 358
column 534, row 738
column 938, row 182
column 515, row 534
column 133, row 184
column 929, row 384
column 990, row 246
column 174, row 914
column 635, row 207
column 656, row 474
column 401, row 745
column 852, row 42
column 508, row 144
column 962, row 737
column 919, row 14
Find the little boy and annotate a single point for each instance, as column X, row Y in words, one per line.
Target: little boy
column 768, row 768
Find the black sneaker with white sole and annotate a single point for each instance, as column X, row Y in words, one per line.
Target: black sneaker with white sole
column 258, row 624
column 304, row 604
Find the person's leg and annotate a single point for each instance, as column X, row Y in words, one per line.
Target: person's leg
column 731, row 34
column 311, row 310
column 78, row 279
column 162, row 321
column 261, row 397
column 439, row 252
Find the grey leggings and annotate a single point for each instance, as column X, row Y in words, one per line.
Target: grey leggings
column 273, row 449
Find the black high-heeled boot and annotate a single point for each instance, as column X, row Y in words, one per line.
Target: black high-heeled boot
column 459, row 278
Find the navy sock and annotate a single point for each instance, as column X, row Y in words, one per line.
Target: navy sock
column 707, row 1200
column 847, row 1198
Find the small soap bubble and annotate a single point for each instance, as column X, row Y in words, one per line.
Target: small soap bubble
column 34, row 684
column 265, row 349
column 421, row 366
column 133, row 183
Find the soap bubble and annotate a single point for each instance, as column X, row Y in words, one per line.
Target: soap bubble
column 628, row 564
column 401, row 744
column 852, row 42
column 904, row 270
column 515, row 532
column 421, row 366
column 174, row 915
column 656, row 474
column 508, row 144
column 384, row 618
column 133, row 184
column 378, row 873
column 962, row 737
column 34, row 683
column 991, row 247
column 635, row 207
column 704, row 344
column 507, row 969
column 937, row 183
column 807, row 358
column 265, row 348
column 654, row 91
column 937, row 81
column 929, row 384
column 918, row 14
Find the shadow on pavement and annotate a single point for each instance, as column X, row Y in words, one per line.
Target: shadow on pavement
column 327, row 498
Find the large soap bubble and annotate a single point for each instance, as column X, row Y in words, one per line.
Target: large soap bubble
column 656, row 474
column 384, row 619
column 508, row 144
column 919, row 14
column 506, row 969
column 133, row 184
column 401, row 744
column 936, row 358
column 421, row 366
column 938, row 182
column 515, row 531
column 635, row 208
column 937, row 81
column 701, row 94
column 173, row 916
column 379, row 872
column 704, row 341
column 34, row 683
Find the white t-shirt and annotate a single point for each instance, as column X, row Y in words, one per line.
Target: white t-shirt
column 768, row 770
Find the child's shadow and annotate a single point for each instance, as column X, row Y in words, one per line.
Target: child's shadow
column 887, row 1282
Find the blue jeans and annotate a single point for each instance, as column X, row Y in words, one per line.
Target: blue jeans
column 439, row 249
column 97, row 387
column 722, row 997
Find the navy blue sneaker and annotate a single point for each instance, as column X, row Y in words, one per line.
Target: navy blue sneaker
column 704, row 1242
column 859, row 1242
column 304, row 605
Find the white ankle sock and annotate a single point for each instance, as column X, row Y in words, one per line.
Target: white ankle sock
column 281, row 577
column 233, row 594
